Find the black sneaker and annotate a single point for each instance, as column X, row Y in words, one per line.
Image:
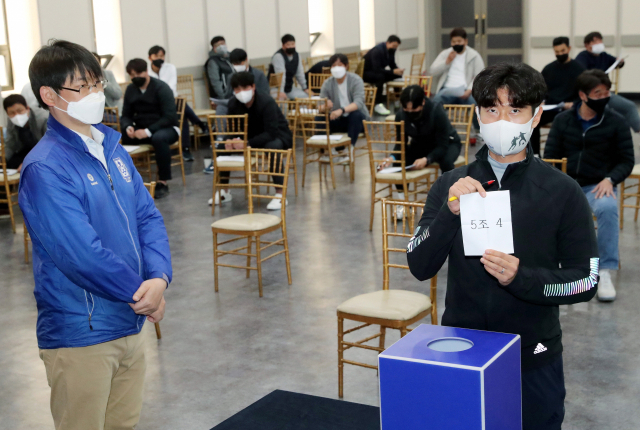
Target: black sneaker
column 204, row 128
column 162, row 190
column 186, row 155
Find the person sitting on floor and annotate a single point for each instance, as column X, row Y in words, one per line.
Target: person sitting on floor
column 595, row 57
column 344, row 92
column 268, row 128
column 380, row 67
column 287, row 61
column 168, row 74
column 149, row 117
column 598, row 145
column 24, row 129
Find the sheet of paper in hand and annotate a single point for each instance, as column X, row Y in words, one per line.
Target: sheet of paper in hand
column 486, row 223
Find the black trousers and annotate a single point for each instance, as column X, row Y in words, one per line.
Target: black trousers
column 274, row 144
column 350, row 124
column 446, row 162
column 378, row 79
column 160, row 140
column 192, row 118
column 546, row 118
column 543, row 394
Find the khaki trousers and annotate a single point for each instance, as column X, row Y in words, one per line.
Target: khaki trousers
column 97, row 387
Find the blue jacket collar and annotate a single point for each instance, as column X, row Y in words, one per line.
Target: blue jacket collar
column 111, row 137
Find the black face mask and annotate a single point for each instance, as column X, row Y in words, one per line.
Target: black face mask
column 562, row 58
column 290, row 51
column 392, row 51
column 138, row 81
column 598, row 105
column 158, row 63
column 413, row 116
column 458, row 48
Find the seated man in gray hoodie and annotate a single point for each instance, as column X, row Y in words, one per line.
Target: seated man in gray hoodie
column 25, row 128
column 218, row 70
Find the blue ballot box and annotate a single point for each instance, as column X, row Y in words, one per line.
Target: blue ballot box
column 451, row 378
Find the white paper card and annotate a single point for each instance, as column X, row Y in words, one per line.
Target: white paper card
column 324, row 137
column 614, row 65
column 239, row 158
column 486, row 223
column 394, row 169
column 549, row 107
column 130, row 148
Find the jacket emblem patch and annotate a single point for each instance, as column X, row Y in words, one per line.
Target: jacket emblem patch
column 123, row 169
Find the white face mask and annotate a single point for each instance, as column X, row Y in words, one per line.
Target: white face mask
column 598, row 48
column 88, row 110
column 244, row 96
column 20, row 120
column 504, row 137
column 240, row 68
column 338, row 72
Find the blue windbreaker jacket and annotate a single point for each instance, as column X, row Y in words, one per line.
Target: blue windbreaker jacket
column 96, row 235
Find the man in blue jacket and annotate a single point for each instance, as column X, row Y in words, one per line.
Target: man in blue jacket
column 101, row 257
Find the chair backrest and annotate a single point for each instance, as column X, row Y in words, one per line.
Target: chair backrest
column 3, row 165
column 382, row 140
column 185, row 89
column 370, row 98
column 275, row 82
column 423, row 81
column 395, row 235
column 416, row 63
column 461, row 118
column 289, row 109
column 614, row 76
column 266, row 163
column 557, row 161
column 206, row 87
column 123, row 87
column 227, row 127
column 360, row 68
column 310, row 118
column 261, row 67
column 151, row 187
column 111, row 118
column 181, row 104
column 315, row 82
column 311, row 61
column 353, row 58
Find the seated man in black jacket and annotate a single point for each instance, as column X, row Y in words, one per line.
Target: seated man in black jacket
column 599, row 148
column 556, row 255
column 380, row 67
column 268, row 128
column 560, row 77
column 149, row 117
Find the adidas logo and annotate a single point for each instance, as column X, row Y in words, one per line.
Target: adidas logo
column 540, row 348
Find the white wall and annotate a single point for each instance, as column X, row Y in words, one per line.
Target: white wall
column 108, row 29
column 630, row 73
column 70, row 20
column 321, row 21
column 229, row 24
column 541, row 23
column 24, row 38
column 346, row 26
column 186, row 32
column 293, row 18
column 138, row 33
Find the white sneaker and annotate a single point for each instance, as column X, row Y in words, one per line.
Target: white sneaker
column 399, row 212
column 226, row 197
column 380, row 109
column 276, row 204
column 340, row 160
column 606, row 290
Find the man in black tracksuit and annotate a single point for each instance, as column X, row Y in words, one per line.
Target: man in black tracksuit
column 556, row 255
column 380, row 65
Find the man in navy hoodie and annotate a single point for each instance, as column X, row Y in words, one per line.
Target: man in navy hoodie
column 101, row 257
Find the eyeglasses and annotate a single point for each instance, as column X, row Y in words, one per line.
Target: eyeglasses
column 86, row 88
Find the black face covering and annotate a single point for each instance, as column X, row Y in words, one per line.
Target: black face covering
column 598, row 105
column 158, row 63
column 290, row 51
column 392, row 51
column 458, row 48
column 413, row 116
column 562, row 58
column 138, row 81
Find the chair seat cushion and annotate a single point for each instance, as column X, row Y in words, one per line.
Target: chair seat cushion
column 318, row 142
column 460, row 160
column 142, row 150
column 636, row 170
column 247, row 222
column 391, row 117
column 397, row 305
column 204, row 112
column 410, row 174
column 11, row 178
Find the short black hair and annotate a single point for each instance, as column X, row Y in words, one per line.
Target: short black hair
column 242, row 79
column 14, row 99
column 458, row 32
column 589, row 79
column 525, row 85
column 287, row 38
column 394, row 38
column 154, row 50
column 335, row 57
column 413, row 94
column 593, row 35
column 137, row 65
column 58, row 61
column 216, row 39
column 562, row 40
column 237, row 56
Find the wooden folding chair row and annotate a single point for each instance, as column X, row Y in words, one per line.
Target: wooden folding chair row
column 9, row 184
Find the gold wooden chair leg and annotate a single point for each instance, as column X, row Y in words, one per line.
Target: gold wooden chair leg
column 216, row 178
column 26, row 245
column 621, row 204
column 286, row 253
column 11, row 213
column 333, row 173
column 184, row 179
column 259, row 260
column 295, row 169
column 383, row 334
column 373, row 204
column 304, row 163
column 340, row 357
column 635, row 219
column 249, row 256
column 158, row 332
column 215, row 261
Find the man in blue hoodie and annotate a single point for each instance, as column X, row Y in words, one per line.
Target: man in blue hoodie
column 101, row 257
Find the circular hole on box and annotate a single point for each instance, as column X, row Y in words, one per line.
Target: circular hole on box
column 450, row 344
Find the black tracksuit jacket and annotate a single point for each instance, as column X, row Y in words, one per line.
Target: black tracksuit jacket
column 553, row 237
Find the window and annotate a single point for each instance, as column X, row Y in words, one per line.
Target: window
column 6, row 74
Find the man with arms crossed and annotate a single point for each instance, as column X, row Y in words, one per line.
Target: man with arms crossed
column 556, row 254
column 101, row 258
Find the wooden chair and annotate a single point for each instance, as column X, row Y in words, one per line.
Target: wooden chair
column 111, row 118
column 275, row 83
column 123, row 87
column 315, row 82
column 9, row 184
column 260, row 67
column 314, row 121
column 562, row 162
column 212, row 105
column 615, row 80
column 185, row 89
column 227, row 127
column 354, row 58
column 151, row 187
column 142, row 155
column 176, row 158
column 289, row 109
column 635, row 174
column 26, row 239
column 252, row 226
column 381, row 144
column 422, row 81
column 461, row 118
column 370, row 101
column 326, row 70
column 360, row 68
column 416, row 64
column 389, row 309
column 311, row 61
